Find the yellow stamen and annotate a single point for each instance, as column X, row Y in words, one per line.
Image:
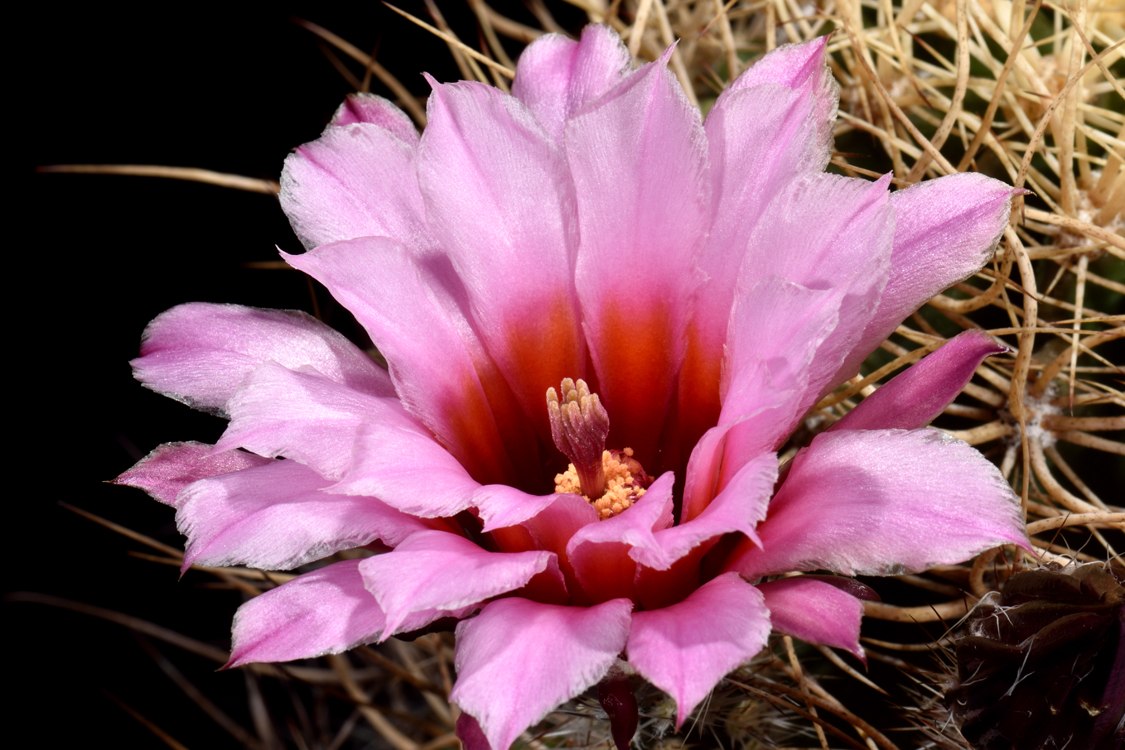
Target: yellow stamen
column 622, row 488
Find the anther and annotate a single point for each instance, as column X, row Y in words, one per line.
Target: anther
column 579, row 426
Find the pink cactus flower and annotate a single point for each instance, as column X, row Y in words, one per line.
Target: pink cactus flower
column 602, row 317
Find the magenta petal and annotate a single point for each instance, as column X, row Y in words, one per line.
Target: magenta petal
column 171, row 467
column 687, row 648
column 438, row 570
column 323, row 612
column 556, row 76
column 392, row 459
column 276, row 517
column 519, row 659
column 356, row 180
column 639, row 160
column 945, row 230
column 303, row 416
column 199, row 353
column 914, row 397
column 469, row 732
column 382, row 285
column 738, row 508
column 884, row 502
column 500, row 505
column 635, row 526
column 815, row 612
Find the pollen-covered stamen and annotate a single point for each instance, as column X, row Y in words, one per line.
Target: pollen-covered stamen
column 579, row 426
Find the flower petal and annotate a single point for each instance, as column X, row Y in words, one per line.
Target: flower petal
column 275, row 517
column 914, row 397
column 500, row 505
column 556, row 76
column 375, row 110
column 438, row 570
column 303, row 416
column 826, row 232
column 738, row 508
column 501, row 647
column 380, row 283
column 357, row 180
column 884, row 502
column 491, row 178
column 600, row 552
column 402, row 465
column 171, row 467
column 326, row 611
column 639, row 161
column 945, row 230
column 199, row 353
column 815, row 612
column 685, row 649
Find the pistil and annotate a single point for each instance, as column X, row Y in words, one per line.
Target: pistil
column 579, row 426
column 611, row 480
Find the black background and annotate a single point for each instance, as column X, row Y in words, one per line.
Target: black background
column 96, row 258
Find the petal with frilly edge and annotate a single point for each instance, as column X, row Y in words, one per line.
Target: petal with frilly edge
column 402, row 465
column 357, row 180
column 438, row 570
column 815, row 612
column 171, row 467
column 883, row 502
column 556, row 76
column 199, row 353
column 639, row 160
column 945, row 230
column 375, row 110
column 519, row 659
column 325, row 611
column 913, row 398
column 826, row 232
column 600, row 552
column 303, row 416
column 491, row 178
column 275, row 517
column 685, row 649
column 381, row 284
column 738, row 508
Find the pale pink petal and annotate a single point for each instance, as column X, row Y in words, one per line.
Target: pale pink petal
column 772, row 125
column 303, row 416
column 326, row 611
column 884, row 502
column 275, row 517
column 685, row 649
column 438, row 570
column 945, row 230
column 738, row 508
column 356, row 180
column 827, row 232
column 639, row 161
column 815, row 612
column 519, row 659
column 375, row 110
column 402, row 465
column 552, row 528
column 799, row 67
column 491, row 178
column 171, row 467
column 556, row 76
column 914, row 397
column 380, row 283
column 199, row 353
